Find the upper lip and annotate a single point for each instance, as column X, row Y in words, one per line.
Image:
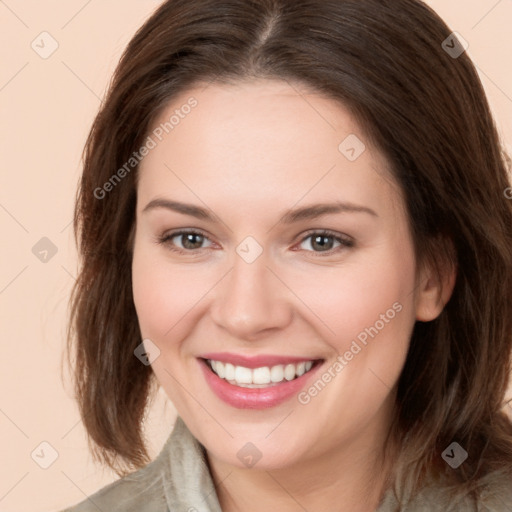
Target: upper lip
column 256, row 361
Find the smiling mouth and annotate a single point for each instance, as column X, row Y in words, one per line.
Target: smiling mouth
column 261, row 377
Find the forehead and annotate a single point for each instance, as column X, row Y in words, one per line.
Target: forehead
column 260, row 142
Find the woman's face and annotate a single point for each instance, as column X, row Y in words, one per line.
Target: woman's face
column 273, row 282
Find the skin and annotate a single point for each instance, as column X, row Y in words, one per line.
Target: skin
column 249, row 152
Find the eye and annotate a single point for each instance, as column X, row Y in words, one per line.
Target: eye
column 324, row 242
column 184, row 241
column 192, row 241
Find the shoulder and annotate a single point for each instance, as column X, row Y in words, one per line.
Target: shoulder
column 497, row 497
column 141, row 491
column 178, row 479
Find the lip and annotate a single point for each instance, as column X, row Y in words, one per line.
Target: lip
column 256, row 398
column 254, row 361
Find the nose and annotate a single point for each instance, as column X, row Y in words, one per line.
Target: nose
column 251, row 301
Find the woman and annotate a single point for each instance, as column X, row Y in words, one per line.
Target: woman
column 293, row 217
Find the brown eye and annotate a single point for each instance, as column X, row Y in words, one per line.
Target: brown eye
column 320, row 242
column 184, row 241
column 191, row 240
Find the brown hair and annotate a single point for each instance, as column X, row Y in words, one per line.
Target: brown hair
column 422, row 107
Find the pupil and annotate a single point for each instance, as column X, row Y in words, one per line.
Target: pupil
column 321, row 241
column 189, row 240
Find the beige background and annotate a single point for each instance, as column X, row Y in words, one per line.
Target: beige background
column 47, row 106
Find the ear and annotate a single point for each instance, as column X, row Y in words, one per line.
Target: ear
column 434, row 289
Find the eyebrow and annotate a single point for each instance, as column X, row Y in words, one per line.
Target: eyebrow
column 290, row 216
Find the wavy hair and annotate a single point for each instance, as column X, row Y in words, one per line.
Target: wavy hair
column 423, row 107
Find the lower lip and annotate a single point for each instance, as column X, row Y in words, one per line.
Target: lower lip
column 254, row 398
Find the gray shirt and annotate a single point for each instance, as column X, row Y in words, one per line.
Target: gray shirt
column 179, row 480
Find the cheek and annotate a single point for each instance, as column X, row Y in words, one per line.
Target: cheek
column 374, row 322
column 160, row 296
column 372, row 316
column 366, row 314
column 373, row 300
column 147, row 293
column 346, row 301
column 169, row 298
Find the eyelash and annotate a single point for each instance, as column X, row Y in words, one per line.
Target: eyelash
column 345, row 242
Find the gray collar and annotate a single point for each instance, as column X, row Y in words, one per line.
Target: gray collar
column 187, row 482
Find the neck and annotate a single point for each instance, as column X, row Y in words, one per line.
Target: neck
column 353, row 477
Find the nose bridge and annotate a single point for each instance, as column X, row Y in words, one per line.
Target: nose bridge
column 251, row 299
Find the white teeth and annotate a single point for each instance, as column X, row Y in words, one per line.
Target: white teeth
column 259, row 377
column 277, row 373
column 243, row 375
column 289, row 372
column 220, row 369
column 229, row 370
